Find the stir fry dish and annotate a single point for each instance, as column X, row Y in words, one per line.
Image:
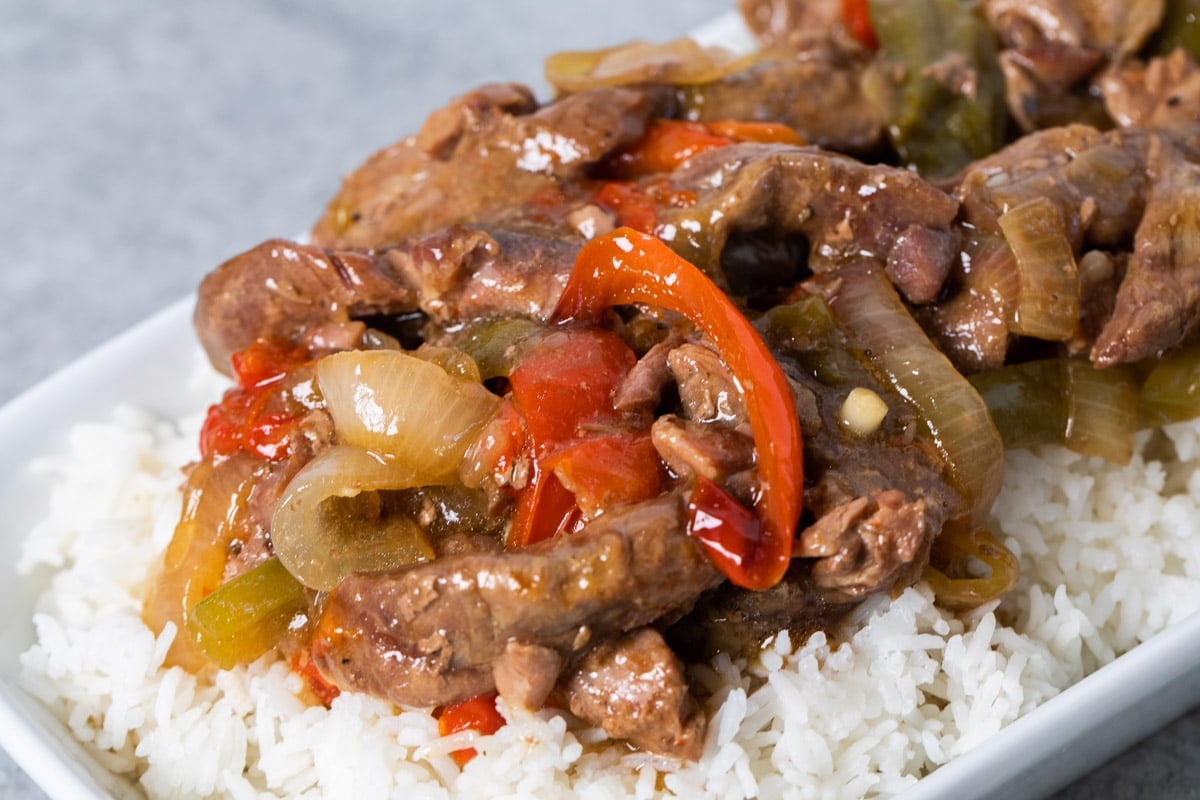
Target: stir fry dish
column 563, row 396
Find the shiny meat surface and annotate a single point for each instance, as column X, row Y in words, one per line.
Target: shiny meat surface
column 284, row 290
column 432, row 634
column 479, row 158
column 634, row 688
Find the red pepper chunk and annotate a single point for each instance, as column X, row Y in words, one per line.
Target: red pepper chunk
column 244, row 419
column 636, row 203
column 563, row 389
column 477, row 713
column 627, row 267
column 856, row 16
column 667, row 143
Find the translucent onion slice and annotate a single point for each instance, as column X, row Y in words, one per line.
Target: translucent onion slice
column 194, row 562
column 332, row 520
column 966, row 570
column 407, row 408
column 876, row 322
column 1047, row 304
column 681, row 62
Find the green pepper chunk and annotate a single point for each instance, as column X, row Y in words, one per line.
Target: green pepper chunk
column 938, row 67
column 1065, row 401
column 496, row 344
column 248, row 615
column 807, row 331
column 1180, row 27
column 1025, row 401
column 1171, row 392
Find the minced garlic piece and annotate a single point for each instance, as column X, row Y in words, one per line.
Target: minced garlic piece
column 862, row 411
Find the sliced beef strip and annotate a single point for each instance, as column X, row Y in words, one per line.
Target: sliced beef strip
column 920, row 262
column 798, row 87
column 431, row 634
column 712, row 450
column 643, row 387
column 1113, row 27
column 525, row 674
column 284, row 290
column 1045, row 86
column 1096, row 182
column 1161, row 93
column 478, row 159
column 1158, row 304
column 1053, row 48
column 634, row 688
column 865, row 544
column 842, row 207
column 707, row 390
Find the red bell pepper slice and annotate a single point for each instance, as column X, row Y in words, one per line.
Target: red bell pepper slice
column 627, row 267
column 563, row 389
column 856, row 16
column 667, row 143
column 474, row 714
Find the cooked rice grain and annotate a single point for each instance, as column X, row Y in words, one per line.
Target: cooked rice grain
column 1109, row 557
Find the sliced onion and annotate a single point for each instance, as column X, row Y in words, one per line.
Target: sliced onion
column 1102, row 410
column 680, row 62
column 1047, row 304
column 403, row 407
column 968, row 569
column 332, row 521
column 452, row 361
column 194, row 562
column 876, row 322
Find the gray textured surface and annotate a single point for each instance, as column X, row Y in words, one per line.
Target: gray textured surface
column 141, row 144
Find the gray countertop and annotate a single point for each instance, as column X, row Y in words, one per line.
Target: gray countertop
column 144, row 143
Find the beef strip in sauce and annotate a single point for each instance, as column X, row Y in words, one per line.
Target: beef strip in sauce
column 480, row 215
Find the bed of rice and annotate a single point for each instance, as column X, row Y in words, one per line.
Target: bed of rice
column 1109, row 556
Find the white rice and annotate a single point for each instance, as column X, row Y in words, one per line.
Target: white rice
column 1109, row 556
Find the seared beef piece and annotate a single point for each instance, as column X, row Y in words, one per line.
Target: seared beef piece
column 865, row 544
column 634, row 688
column 643, row 386
column 844, row 208
column 799, row 87
column 776, row 22
column 480, row 159
column 1096, row 182
column 734, row 621
column 1045, row 85
column 707, row 390
column 284, row 290
column 691, row 448
column 1113, row 27
column 525, row 674
column 1158, row 304
column 1055, row 46
column 873, row 506
column 431, row 634
column 920, row 261
column 1162, row 93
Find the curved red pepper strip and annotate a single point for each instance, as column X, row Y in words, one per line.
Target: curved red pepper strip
column 626, row 267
